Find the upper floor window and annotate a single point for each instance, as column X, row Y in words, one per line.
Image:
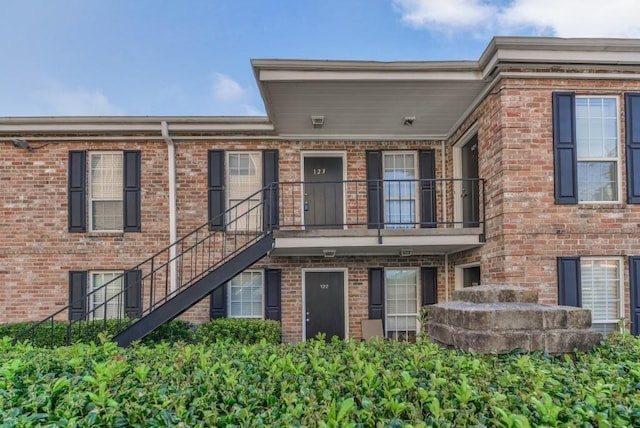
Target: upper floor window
column 244, row 180
column 105, row 190
column 399, row 174
column 597, row 143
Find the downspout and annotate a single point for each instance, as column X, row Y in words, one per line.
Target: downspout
column 443, row 184
column 446, row 277
column 173, row 224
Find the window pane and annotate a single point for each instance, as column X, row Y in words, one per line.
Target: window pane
column 597, row 181
column 244, row 180
column 399, row 190
column 105, row 190
column 401, row 303
column 104, row 300
column 601, row 292
column 245, row 295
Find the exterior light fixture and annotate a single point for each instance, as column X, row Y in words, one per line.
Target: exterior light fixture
column 408, row 120
column 406, row 252
column 329, row 253
column 22, row 144
column 317, row 121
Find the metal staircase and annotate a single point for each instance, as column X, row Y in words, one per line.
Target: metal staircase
column 173, row 280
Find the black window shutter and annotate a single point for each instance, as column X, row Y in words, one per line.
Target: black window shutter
column 219, row 302
column 427, row 163
column 216, row 189
column 634, row 284
column 376, row 294
column 272, row 294
column 569, row 287
column 429, row 286
column 77, row 294
column 632, row 114
column 133, row 293
column 565, row 148
column 77, row 181
column 375, row 200
column 269, row 176
column 132, row 220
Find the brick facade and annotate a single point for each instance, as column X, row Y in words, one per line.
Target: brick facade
column 526, row 231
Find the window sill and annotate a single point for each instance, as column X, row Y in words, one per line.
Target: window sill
column 105, row 234
column 602, row 205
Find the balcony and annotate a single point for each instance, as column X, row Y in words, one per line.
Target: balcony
column 377, row 217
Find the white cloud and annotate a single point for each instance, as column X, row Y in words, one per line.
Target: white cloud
column 562, row 18
column 61, row 101
column 231, row 98
column 450, row 13
column 224, row 88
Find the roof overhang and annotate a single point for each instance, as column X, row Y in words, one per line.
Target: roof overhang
column 416, row 100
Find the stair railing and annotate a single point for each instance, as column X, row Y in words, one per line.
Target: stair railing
column 118, row 303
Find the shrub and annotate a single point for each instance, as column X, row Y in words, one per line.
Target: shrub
column 350, row 384
column 239, row 330
column 172, row 332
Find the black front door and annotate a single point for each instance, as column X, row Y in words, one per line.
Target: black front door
column 470, row 187
column 323, row 197
column 324, row 304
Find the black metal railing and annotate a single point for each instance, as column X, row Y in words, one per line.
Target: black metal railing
column 118, row 303
column 382, row 204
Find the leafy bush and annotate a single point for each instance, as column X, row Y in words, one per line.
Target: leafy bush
column 172, row 332
column 350, row 384
column 239, row 330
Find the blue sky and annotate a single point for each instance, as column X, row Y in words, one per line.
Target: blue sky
column 170, row 57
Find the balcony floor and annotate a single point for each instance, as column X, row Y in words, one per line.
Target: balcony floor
column 366, row 242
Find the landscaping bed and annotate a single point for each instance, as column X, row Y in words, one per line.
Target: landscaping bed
column 315, row 384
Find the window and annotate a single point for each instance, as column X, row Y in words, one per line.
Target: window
column 244, row 180
column 597, row 149
column 401, row 303
column 601, row 292
column 103, row 300
column 106, row 191
column 245, row 295
column 399, row 174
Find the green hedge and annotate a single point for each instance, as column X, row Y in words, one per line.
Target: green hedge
column 245, row 331
column 240, row 330
column 348, row 384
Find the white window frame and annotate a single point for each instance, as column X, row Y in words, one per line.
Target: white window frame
column 245, row 222
column 620, row 279
column 416, row 214
column 92, row 303
column 386, row 305
column 90, row 198
column 616, row 159
column 230, row 294
column 459, row 273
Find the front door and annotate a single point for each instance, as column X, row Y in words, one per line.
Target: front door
column 470, row 188
column 324, row 304
column 323, row 198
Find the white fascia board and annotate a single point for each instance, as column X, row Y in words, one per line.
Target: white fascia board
column 366, row 76
column 363, row 137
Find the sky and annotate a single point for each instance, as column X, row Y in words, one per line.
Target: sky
column 192, row 57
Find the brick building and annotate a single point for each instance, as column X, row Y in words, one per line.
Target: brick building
column 395, row 183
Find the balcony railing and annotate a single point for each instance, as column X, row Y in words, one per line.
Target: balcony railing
column 381, row 204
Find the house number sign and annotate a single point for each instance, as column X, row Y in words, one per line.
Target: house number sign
column 324, row 286
column 319, row 171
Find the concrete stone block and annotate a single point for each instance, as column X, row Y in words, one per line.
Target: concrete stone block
column 456, row 316
column 518, row 319
column 479, row 319
column 441, row 333
column 555, row 318
column 561, row 341
column 437, row 314
column 578, row 317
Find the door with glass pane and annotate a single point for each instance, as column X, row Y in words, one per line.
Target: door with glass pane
column 401, row 303
column 400, row 190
